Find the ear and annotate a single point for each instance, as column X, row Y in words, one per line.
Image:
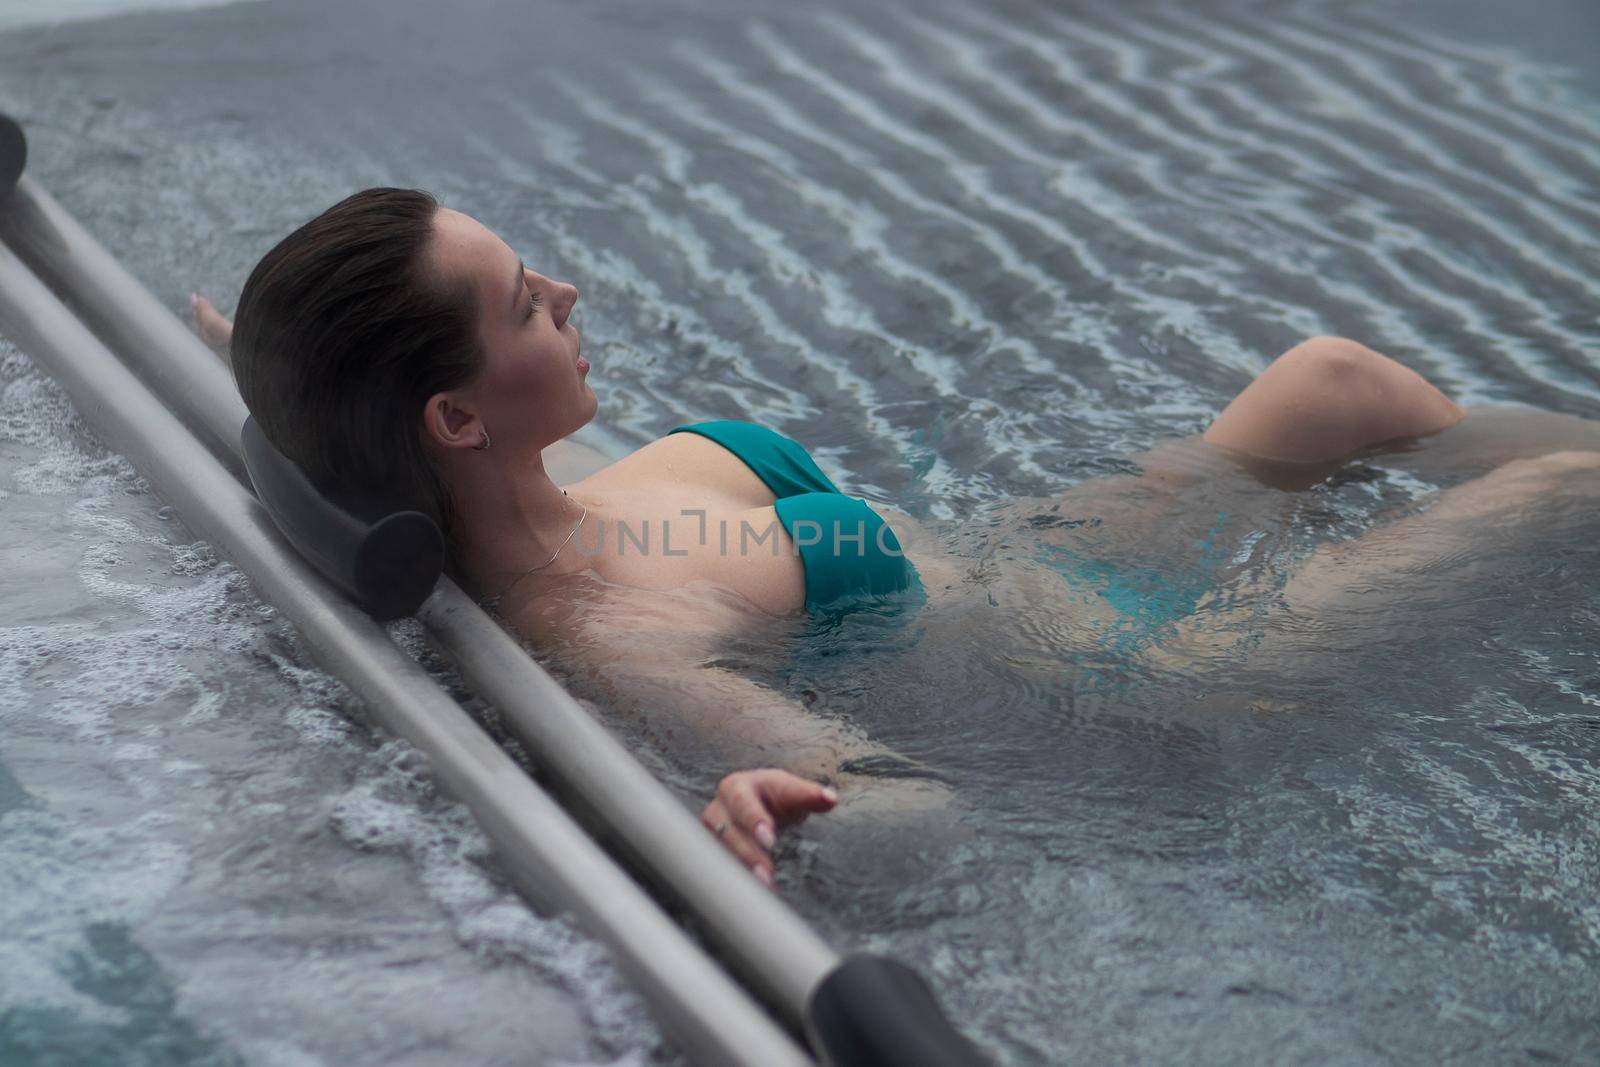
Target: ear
column 447, row 421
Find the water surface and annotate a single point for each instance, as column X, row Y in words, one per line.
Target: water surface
column 967, row 255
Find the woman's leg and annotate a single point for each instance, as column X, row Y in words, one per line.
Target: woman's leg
column 1393, row 568
column 1323, row 402
column 1317, row 405
column 1489, row 437
column 1439, row 544
column 1327, row 399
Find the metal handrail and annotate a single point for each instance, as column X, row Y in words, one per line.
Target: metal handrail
column 547, row 854
column 864, row 1010
column 763, row 939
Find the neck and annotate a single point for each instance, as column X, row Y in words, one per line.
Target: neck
column 510, row 517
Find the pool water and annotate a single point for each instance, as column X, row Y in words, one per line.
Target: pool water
column 973, row 257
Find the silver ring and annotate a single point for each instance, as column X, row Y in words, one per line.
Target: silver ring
column 721, row 827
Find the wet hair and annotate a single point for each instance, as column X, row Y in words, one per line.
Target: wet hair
column 343, row 331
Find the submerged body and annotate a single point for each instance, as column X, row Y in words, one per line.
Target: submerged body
column 645, row 624
column 1128, row 555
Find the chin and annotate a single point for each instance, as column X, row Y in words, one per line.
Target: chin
column 586, row 413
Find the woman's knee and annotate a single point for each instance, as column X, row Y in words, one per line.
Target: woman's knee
column 1366, row 387
column 1335, row 360
column 1328, row 397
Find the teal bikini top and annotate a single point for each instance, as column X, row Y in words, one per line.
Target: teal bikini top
column 845, row 546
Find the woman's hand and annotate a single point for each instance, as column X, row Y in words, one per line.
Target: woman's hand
column 214, row 329
column 750, row 807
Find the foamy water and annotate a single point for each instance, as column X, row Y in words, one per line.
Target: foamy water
column 206, row 858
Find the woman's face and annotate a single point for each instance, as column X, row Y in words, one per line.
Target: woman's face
column 533, row 389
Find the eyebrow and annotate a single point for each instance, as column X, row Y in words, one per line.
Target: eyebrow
column 516, row 293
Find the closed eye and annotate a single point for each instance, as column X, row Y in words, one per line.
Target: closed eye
column 533, row 304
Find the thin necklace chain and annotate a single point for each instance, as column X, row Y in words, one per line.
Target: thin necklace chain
column 549, row 561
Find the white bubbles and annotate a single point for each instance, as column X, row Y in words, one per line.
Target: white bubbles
column 192, row 781
column 451, row 859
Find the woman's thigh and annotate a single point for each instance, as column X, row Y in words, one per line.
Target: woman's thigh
column 1187, row 497
column 1320, row 405
column 1490, row 437
column 1317, row 406
column 1190, row 493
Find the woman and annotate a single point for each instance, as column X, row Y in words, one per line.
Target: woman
column 404, row 348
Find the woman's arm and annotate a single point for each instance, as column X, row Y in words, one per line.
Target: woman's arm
column 659, row 654
column 625, row 657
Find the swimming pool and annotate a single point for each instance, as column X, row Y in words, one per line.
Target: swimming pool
column 965, row 255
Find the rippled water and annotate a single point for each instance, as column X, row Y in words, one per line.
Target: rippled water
column 968, row 254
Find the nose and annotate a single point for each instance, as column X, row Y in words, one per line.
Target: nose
column 566, row 295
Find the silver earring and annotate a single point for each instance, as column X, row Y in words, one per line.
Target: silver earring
column 480, row 448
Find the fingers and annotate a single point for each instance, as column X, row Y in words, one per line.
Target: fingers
column 751, row 805
column 790, row 798
column 215, row 330
column 741, row 795
column 737, row 840
column 752, row 824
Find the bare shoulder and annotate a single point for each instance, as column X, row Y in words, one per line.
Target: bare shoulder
column 683, row 462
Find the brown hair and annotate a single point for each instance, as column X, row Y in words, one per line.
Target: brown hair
column 343, row 331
